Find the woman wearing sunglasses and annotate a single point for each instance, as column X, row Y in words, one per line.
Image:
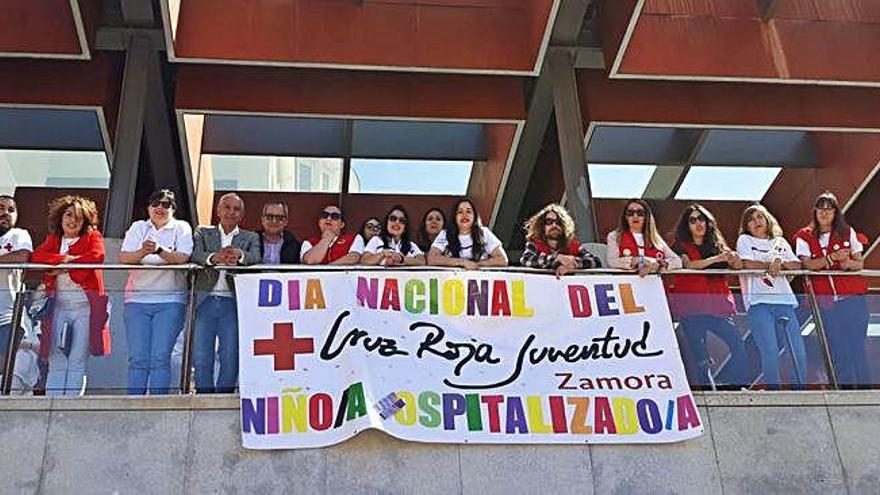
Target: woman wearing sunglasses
column 767, row 296
column 155, row 300
column 393, row 246
column 465, row 242
column 704, row 303
column 636, row 244
column 829, row 243
column 370, row 229
column 332, row 247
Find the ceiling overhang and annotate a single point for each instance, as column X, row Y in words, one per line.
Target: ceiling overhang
column 50, row 29
column 460, row 36
column 771, row 41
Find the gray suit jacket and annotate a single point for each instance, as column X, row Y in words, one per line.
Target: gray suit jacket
column 206, row 241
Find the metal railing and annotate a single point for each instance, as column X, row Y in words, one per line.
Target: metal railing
column 192, row 269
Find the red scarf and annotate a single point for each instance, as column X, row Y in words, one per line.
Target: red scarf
column 543, row 248
column 629, row 247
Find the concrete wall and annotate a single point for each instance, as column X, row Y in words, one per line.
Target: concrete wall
column 808, row 442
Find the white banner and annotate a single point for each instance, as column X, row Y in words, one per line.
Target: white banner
column 459, row 357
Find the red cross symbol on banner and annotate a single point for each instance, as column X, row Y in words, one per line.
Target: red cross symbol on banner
column 284, row 346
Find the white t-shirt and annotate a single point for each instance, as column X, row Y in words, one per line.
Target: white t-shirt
column 357, row 246
column 68, row 293
column 802, row 248
column 10, row 280
column 491, row 244
column 375, row 246
column 157, row 286
column 764, row 289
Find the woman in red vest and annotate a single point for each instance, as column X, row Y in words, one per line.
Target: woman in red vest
column 704, row 303
column 77, row 326
column 829, row 243
column 636, row 244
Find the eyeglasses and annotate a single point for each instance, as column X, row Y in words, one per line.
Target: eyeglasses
column 163, row 203
column 635, row 212
column 395, row 218
column 274, row 218
column 553, row 221
column 697, row 218
column 332, row 215
column 372, row 226
column 825, row 208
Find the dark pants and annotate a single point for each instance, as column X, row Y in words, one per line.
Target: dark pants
column 696, row 330
column 846, row 327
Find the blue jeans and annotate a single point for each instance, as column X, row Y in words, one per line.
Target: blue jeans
column 696, row 330
column 4, row 343
column 846, row 327
column 150, row 331
column 67, row 369
column 763, row 320
column 216, row 321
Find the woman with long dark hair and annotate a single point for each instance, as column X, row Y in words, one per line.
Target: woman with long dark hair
column 829, row 243
column 704, row 303
column 465, row 242
column 370, row 228
column 433, row 221
column 768, row 297
column 77, row 325
column 393, row 246
column 636, row 244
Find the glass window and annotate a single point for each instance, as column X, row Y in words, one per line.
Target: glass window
column 619, row 181
column 40, row 168
column 410, row 176
column 727, row 183
column 275, row 173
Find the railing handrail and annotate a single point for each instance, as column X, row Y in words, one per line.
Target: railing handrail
column 337, row 268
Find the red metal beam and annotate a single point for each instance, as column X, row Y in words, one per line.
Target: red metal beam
column 42, row 28
column 360, row 93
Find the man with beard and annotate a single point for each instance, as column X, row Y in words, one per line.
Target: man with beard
column 550, row 243
column 15, row 247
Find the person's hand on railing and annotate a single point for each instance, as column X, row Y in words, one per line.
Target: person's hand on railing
column 775, row 267
column 469, row 265
column 566, row 264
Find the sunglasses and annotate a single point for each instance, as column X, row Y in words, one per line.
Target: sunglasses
column 332, row 215
column 372, row 226
column 553, row 221
column 635, row 212
column 274, row 218
column 699, row 218
column 163, row 203
column 395, row 218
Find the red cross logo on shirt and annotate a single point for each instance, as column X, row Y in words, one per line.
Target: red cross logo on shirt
column 8, row 247
column 284, row 346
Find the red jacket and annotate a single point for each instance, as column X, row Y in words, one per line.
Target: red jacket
column 628, row 247
column 700, row 294
column 339, row 248
column 827, row 285
column 89, row 249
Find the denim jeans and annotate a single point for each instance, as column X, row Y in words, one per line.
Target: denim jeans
column 4, row 343
column 66, row 371
column 216, row 325
column 150, row 331
column 846, row 327
column 763, row 320
column 696, row 330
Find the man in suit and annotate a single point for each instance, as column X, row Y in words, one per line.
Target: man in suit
column 277, row 245
column 216, row 316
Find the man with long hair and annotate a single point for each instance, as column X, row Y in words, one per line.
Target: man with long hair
column 551, row 244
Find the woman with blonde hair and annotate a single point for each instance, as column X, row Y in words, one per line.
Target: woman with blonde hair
column 636, row 244
column 77, row 325
column 768, row 296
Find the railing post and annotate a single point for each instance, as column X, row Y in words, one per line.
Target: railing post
column 823, row 339
column 14, row 339
column 186, row 362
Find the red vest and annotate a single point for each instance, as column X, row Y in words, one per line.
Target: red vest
column 629, row 247
column 572, row 249
column 339, row 248
column 700, row 294
column 826, row 285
